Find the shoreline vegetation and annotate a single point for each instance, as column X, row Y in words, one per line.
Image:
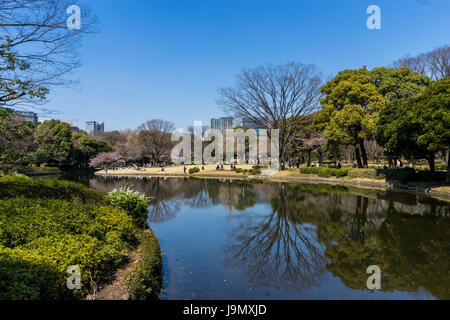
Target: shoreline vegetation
column 49, row 225
column 361, row 178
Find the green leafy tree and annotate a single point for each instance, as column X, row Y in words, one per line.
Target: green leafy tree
column 418, row 127
column 86, row 148
column 348, row 110
column 15, row 137
column 54, row 141
column 398, row 83
column 395, row 84
column 13, row 88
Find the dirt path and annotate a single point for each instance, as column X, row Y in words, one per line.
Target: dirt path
column 117, row 289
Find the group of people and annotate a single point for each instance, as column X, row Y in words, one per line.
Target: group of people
column 220, row 167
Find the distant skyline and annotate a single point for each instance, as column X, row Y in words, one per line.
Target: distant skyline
column 166, row 59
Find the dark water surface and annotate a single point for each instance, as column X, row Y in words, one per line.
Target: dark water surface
column 224, row 239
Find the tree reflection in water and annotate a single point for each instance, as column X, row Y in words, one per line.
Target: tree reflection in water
column 302, row 232
column 275, row 249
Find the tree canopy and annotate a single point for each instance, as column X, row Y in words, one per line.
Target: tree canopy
column 417, row 127
column 350, row 103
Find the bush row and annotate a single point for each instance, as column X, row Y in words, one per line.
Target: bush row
column 144, row 282
column 11, row 168
column 325, row 172
column 39, row 239
column 255, row 170
column 22, row 186
column 366, row 174
column 402, row 175
column 441, row 166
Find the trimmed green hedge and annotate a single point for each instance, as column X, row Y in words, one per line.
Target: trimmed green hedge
column 366, row 174
column 39, row 239
column 41, row 235
column 19, row 186
column 325, row 172
column 194, row 170
column 145, row 282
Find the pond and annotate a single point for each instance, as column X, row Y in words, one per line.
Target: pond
column 232, row 239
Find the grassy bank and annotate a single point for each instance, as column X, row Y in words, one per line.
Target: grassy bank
column 144, row 283
column 47, row 226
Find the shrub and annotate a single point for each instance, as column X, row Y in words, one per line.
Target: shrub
column 427, row 176
column 20, row 186
column 144, row 282
column 405, row 175
column 39, row 239
column 325, row 172
column 366, row 174
column 194, row 170
column 402, row 175
column 239, row 170
column 22, row 176
column 441, row 166
column 255, row 170
column 133, row 202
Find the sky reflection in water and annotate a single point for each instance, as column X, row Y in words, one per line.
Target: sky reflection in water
column 225, row 239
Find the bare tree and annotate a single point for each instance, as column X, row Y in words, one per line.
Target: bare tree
column 37, row 49
column 154, row 138
column 434, row 64
column 374, row 151
column 127, row 145
column 274, row 97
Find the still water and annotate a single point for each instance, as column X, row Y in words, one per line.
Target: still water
column 225, row 239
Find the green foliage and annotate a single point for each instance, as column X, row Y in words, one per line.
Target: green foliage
column 325, row 172
column 417, row 127
column 39, row 239
column 54, row 141
column 398, row 83
column 86, row 148
column 12, row 65
column 27, row 169
column 403, row 175
column 133, row 202
column 22, row 176
column 144, row 282
column 18, row 186
column 366, row 174
column 406, row 175
column 256, row 170
column 15, row 138
column 194, row 170
column 239, row 170
column 351, row 100
column 441, row 166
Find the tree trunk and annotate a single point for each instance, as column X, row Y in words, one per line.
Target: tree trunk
column 320, row 156
column 364, row 154
column 448, row 167
column 358, row 157
column 431, row 162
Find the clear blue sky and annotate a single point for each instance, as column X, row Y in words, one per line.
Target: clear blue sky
column 166, row 59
